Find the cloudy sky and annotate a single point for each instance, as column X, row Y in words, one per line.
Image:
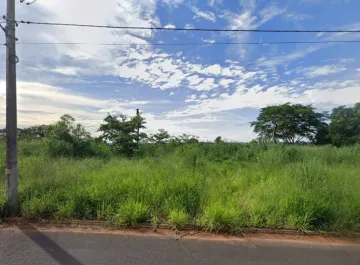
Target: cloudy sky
column 205, row 90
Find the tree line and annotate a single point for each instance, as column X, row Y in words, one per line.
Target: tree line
column 287, row 123
column 296, row 123
column 119, row 134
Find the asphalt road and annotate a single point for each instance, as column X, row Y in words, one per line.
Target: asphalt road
column 31, row 246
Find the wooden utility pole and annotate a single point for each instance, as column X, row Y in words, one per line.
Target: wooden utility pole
column 11, row 171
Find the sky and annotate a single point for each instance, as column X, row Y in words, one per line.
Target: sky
column 204, row 90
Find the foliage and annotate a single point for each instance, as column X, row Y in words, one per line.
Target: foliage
column 161, row 137
column 322, row 136
column 131, row 213
column 345, row 125
column 289, row 123
column 65, row 138
column 218, row 140
column 123, row 134
column 178, row 218
column 215, row 186
column 186, row 139
column 33, row 132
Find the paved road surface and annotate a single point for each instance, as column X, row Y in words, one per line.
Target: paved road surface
column 30, row 246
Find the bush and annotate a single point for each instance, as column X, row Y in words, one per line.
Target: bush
column 59, row 148
column 32, row 148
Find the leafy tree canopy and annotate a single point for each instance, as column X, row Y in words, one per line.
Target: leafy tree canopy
column 289, row 123
column 186, row 139
column 218, row 140
column 66, row 130
column 161, row 137
column 33, row 132
column 345, row 125
column 123, row 133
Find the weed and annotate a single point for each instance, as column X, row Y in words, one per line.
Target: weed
column 131, row 213
column 221, row 187
column 178, row 218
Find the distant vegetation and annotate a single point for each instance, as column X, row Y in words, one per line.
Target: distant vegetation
column 127, row 177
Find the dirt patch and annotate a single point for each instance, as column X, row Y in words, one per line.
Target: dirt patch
column 95, row 227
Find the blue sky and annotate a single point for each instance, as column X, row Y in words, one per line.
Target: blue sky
column 206, row 90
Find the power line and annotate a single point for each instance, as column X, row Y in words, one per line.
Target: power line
column 189, row 44
column 185, row 29
column 27, row 3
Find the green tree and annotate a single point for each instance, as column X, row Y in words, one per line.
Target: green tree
column 218, row 140
column 188, row 139
column 345, row 125
column 323, row 135
column 139, row 122
column 289, row 123
column 33, row 132
column 122, row 133
column 66, row 138
column 161, row 137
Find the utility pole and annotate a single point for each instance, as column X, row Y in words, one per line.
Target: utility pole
column 11, row 171
column 138, row 126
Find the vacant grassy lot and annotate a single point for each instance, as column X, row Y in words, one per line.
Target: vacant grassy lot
column 215, row 186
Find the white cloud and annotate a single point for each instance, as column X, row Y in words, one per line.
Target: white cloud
column 194, row 80
column 207, row 15
column 208, row 41
column 226, row 82
column 297, row 17
column 284, row 59
column 300, row 53
column 358, row 69
column 66, row 70
column 170, row 26
column 207, row 85
column 173, row 3
column 167, row 72
column 269, row 12
column 245, row 20
column 189, row 26
column 82, row 59
column 191, row 98
column 343, row 35
column 215, row 2
column 324, row 70
column 214, row 69
column 318, row 71
column 44, row 104
column 249, row 18
column 321, row 95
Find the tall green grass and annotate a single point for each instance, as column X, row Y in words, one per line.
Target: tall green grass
column 219, row 187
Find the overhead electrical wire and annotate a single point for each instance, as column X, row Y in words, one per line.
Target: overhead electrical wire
column 27, row 3
column 190, row 43
column 185, row 29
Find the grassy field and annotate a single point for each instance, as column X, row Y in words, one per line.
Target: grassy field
column 215, row 186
